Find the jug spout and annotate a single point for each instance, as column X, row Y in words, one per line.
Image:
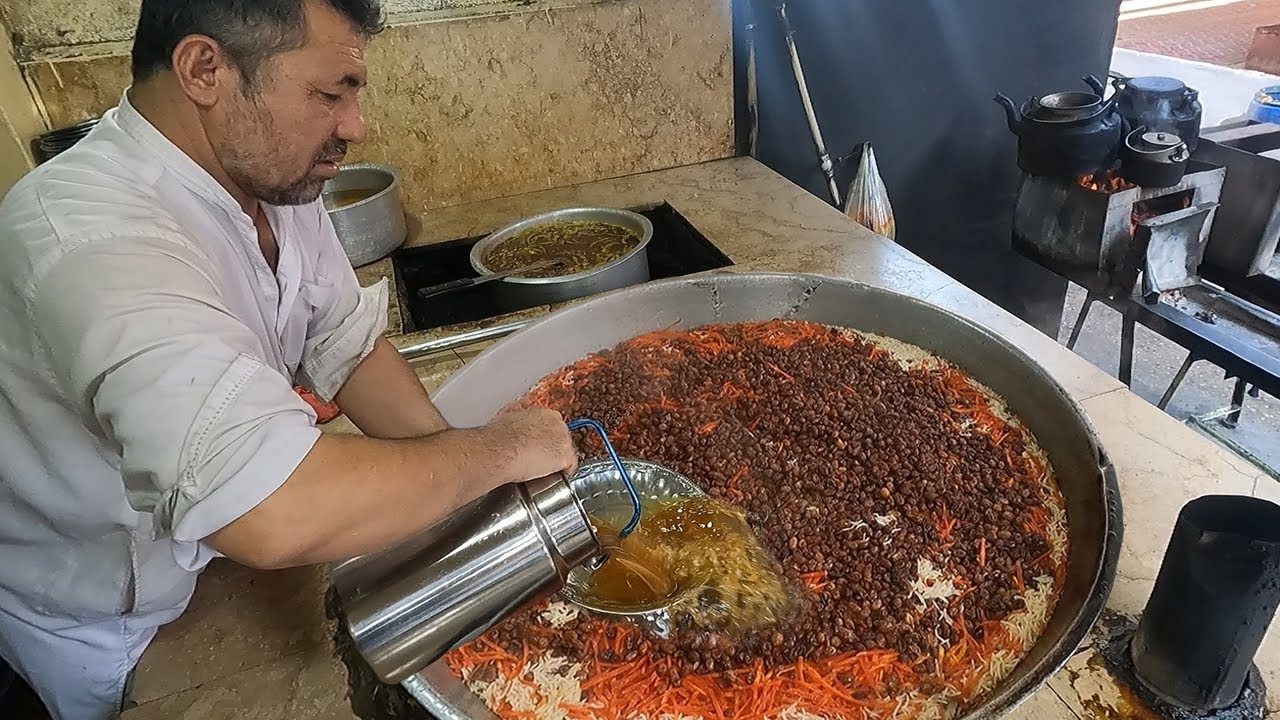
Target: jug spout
column 1012, row 115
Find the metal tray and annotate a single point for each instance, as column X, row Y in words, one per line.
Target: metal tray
column 508, row 369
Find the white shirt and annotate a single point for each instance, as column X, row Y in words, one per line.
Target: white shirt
column 147, row 359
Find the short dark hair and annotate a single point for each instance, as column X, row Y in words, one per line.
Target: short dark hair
column 250, row 31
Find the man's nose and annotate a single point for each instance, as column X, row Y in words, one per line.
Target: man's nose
column 352, row 128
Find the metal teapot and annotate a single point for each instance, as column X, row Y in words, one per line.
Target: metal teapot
column 1066, row 134
column 408, row 606
column 1161, row 104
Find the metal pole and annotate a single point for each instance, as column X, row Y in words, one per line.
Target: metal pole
column 1177, row 380
column 1084, row 315
column 1127, row 329
column 453, row 342
column 824, row 158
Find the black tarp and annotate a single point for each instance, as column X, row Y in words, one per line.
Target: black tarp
column 916, row 78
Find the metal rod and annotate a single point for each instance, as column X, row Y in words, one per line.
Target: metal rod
column 824, row 158
column 1128, row 328
column 1232, row 420
column 1084, row 315
column 1177, row 380
column 452, row 342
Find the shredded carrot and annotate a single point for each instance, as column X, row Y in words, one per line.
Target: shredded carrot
column 982, row 552
column 709, row 428
column 815, row 581
column 945, row 524
column 1037, row 522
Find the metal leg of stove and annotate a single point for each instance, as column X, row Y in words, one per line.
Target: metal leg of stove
column 1232, row 419
column 1127, row 331
column 1084, row 315
column 1177, row 380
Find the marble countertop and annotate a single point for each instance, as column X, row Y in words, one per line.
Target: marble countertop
column 259, row 645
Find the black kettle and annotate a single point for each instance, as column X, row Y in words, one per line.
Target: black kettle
column 1154, row 159
column 1160, row 104
column 1066, row 134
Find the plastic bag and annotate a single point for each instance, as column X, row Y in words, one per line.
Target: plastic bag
column 868, row 200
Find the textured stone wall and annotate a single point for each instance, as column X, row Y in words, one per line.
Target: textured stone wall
column 19, row 118
column 481, row 105
column 40, row 25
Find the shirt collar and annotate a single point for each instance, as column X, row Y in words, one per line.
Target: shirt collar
column 173, row 160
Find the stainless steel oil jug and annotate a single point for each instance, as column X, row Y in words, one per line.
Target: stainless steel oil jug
column 407, row 606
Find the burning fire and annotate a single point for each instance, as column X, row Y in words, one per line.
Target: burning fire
column 1107, row 181
column 1156, row 207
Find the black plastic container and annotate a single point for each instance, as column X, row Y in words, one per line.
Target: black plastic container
column 1215, row 596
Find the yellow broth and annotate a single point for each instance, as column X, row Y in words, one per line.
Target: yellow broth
column 699, row 554
column 581, row 244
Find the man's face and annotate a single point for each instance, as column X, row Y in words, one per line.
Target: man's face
column 282, row 136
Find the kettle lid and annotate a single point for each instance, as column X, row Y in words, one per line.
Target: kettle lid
column 1155, row 141
column 1156, row 85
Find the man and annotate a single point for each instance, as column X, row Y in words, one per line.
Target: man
column 163, row 286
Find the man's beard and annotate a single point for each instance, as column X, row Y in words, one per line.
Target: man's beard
column 249, row 169
column 303, row 191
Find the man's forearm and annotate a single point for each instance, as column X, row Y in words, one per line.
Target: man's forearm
column 355, row 495
column 385, row 398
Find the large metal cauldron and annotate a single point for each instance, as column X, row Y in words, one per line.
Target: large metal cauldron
column 508, row 369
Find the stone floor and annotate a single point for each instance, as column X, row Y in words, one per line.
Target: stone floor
column 1155, row 362
column 1212, row 31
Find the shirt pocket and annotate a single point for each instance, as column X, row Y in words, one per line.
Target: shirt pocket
column 313, row 296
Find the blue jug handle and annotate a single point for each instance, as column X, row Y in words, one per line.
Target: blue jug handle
column 622, row 471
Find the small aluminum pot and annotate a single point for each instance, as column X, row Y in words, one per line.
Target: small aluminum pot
column 371, row 228
column 516, row 293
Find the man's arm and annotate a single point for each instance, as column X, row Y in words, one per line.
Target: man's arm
column 385, row 398
column 353, row 495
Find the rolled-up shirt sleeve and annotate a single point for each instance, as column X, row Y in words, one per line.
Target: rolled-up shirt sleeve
column 139, row 338
column 346, row 319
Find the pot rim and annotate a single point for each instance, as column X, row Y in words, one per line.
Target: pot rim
column 392, row 186
column 1157, row 154
column 497, row 237
column 1029, row 105
column 1049, row 101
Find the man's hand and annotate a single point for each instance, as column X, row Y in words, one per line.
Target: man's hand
column 543, row 442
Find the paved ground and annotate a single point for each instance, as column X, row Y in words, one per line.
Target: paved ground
column 1212, row 31
column 1156, row 360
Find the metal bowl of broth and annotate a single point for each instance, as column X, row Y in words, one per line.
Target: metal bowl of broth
column 364, row 204
column 605, row 248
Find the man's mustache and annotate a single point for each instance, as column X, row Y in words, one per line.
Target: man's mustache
column 333, row 151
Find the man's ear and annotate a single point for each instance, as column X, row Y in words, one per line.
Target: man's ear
column 203, row 69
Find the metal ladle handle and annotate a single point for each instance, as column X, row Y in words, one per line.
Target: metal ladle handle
column 622, row 471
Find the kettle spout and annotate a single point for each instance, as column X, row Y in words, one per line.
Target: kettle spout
column 1010, row 111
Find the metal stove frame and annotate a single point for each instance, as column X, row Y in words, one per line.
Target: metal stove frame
column 1062, row 224
column 1086, row 236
